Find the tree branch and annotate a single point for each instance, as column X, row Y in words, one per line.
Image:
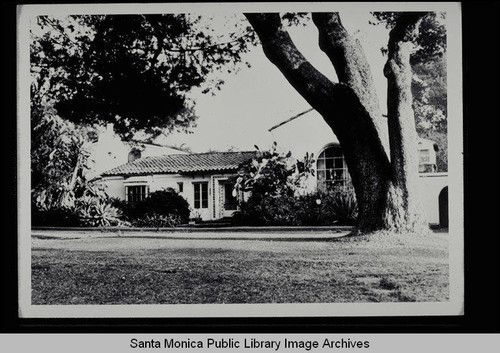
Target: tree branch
column 349, row 60
column 282, row 52
column 160, row 45
column 336, row 102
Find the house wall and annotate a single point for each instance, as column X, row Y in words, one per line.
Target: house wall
column 432, row 184
column 162, row 181
column 289, row 137
column 115, row 187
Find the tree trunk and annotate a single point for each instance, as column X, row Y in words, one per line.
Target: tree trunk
column 352, row 68
column 403, row 209
column 350, row 108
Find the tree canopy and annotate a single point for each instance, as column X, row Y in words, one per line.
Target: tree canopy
column 133, row 71
column 431, row 39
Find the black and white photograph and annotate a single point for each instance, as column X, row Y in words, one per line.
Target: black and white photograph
column 240, row 160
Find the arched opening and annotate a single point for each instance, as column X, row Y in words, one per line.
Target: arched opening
column 443, row 208
column 331, row 168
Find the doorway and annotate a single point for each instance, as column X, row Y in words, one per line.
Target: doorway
column 228, row 202
column 443, row 208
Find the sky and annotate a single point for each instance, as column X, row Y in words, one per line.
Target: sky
column 254, row 99
column 257, row 98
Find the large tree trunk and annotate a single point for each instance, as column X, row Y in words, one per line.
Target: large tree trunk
column 403, row 210
column 351, row 109
column 352, row 68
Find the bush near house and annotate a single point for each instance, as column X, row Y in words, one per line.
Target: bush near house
column 157, row 221
column 163, row 208
column 55, row 217
column 273, row 173
column 87, row 212
column 97, row 212
column 89, row 206
column 275, row 181
column 331, row 207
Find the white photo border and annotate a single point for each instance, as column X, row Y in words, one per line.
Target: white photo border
column 455, row 305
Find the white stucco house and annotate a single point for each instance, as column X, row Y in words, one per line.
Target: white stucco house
column 202, row 178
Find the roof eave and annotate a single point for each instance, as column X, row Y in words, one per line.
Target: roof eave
column 198, row 171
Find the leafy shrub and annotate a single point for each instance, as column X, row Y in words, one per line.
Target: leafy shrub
column 56, row 217
column 158, row 221
column 96, row 212
column 344, row 208
column 60, row 162
column 332, row 207
column 120, row 204
column 162, row 203
column 265, row 211
column 91, row 207
column 272, row 173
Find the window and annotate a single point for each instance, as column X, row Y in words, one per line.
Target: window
column 136, row 193
column 424, row 156
column 200, row 195
column 180, row 186
column 331, row 168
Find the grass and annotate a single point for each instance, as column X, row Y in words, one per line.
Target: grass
column 120, row 270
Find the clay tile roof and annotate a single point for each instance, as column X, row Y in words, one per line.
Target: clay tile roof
column 183, row 163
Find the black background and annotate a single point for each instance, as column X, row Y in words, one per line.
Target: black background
column 481, row 114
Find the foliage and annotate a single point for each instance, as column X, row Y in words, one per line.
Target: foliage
column 136, row 72
column 431, row 39
column 429, row 84
column 429, row 89
column 429, row 92
column 275, row 180
column 60, row 152
column 296, row 18
column 273, row 173
column 331, row 207
column 265, row 211
column 61, row 193
column 97, row 212
column 92, row 208
column 131, row 70
column 59, row 160
column 341, row 204
column 54, row 217
column 166, row 203
column 158, row 221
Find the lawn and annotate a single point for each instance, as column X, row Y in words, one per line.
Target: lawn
column 238, row 268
